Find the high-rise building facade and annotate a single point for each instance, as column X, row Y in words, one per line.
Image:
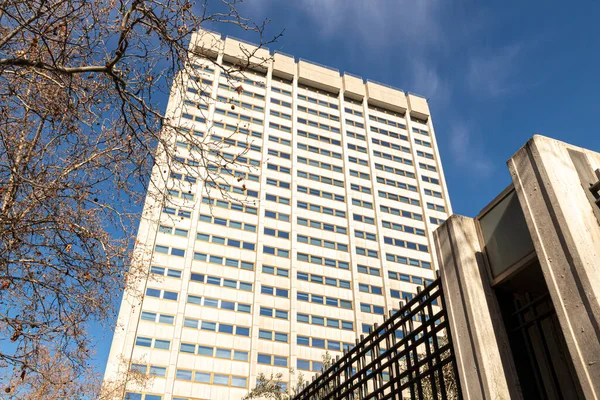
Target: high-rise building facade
column 341, row 186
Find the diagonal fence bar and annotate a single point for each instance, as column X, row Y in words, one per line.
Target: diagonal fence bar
column 409, row 356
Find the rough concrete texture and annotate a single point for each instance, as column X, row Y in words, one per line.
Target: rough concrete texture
column 483, row 355
column 566, row 235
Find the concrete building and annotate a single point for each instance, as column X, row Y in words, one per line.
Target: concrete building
column 522, row 280
column 342, row 187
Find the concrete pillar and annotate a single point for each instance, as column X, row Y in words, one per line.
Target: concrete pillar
column 484, row 361
column 551, row 179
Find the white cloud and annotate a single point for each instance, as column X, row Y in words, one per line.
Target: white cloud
column 427, row 81
column 494, row 73
column 467, row 153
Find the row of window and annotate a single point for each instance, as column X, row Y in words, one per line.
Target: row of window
column 403, row 228
column 407, row 261
column 227, row 222
column 406, row 244
column 319, row 164
column 173, row 231
column 218, row 281
column 353, row 112
column 274, row 291
column 427, row 167
column 275, row 89
column 269, row 359
column 159, row 318
column 387, row 122
column 322, row 343
column 279, row 140
column 278, row 183
column 436, row 207
column 276, row 251
column 276, row 233
column 365, row 235
column 317, row 113
column 402, row 213
column 278, row 153
column 392, row 157
column 181, row 194
column 237, row 129
column 328, row 262
column 169, row 250
column 397, row 276
column 228, row 354
column 319, row 125
column 401, row 199
column 321, row 209
column 430, row 180
column 355, row 147
column 213, row 327
column 362, row 203
column 273, row 336
column 367, row 252
column 372, row 309
column 304, row 276
column 426, row 155
column 322, row 321
column 401, row 185
column 277, row 199
column 180, row 212
column 320, row 151
column 273, row 313
column 390, row 145
column 316, row 101
column 388, row 133
column 238, row 143
column 224, row 187
column 359, row 188
column 178, row 176
column 219, row 303
column 423, row 142
column 205, row 237
column 433, row 193
column 245, row 92
column 320, row 138
column 239, row 116
column 320, row 178
column 241, row 104
column 230, row 205
column 280, row 114
column 281, row 102
column 211, row 378
column 356, row 136
column 228, row 262
column 169, row 272
column 355, row 124
column 329, row 301
column 321, row 193
column 322, row 225
column 280, row 127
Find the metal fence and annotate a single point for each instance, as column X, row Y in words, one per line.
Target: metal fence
column 409, row 356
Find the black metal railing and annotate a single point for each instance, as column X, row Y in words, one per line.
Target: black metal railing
column 409, row 356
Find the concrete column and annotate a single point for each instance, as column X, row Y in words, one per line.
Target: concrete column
column 551, row 179
column 484, row 361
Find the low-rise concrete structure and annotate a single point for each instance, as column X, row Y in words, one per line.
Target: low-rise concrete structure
column 522, row 280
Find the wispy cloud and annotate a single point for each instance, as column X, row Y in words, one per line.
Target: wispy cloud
column 377, row 23
column 468, row 153
column 427, row 80
column 494, row 72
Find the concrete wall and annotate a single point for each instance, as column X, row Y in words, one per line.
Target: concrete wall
column 484, row 361
column 566, row 235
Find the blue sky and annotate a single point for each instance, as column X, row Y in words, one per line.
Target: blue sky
column 495, row 73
